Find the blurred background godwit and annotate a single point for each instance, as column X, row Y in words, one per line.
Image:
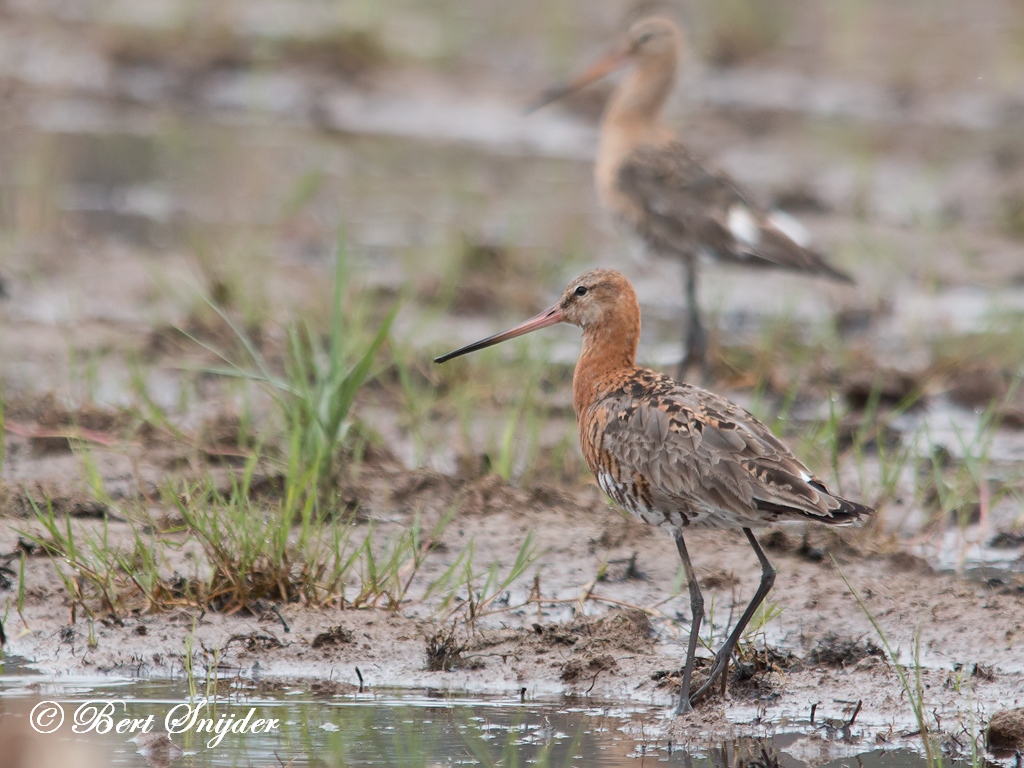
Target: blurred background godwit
column 681, row 207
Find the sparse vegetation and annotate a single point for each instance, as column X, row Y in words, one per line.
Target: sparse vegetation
column 911, row 679
column 319, row 384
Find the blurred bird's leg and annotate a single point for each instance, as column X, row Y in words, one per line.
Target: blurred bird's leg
column 723, row 656
column 697, row 613
column 695, row 351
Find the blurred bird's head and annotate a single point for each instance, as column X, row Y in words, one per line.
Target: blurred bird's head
column 652, row 43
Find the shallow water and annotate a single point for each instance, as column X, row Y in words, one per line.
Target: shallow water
column 403, row 728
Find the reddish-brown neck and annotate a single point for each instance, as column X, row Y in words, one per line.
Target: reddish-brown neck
column 609, row 348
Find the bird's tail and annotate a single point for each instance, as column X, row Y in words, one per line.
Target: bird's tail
column 775, row 239
column 848, row 513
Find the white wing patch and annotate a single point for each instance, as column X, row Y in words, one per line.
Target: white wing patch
column 743, row 225
column 607, row 484
column 790, row 227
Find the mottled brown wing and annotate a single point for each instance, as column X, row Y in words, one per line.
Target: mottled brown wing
column 707, row 460
column 683, row 201
column 689, row 208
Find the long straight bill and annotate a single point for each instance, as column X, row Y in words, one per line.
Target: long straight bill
column 599, row 69
column 550, row 316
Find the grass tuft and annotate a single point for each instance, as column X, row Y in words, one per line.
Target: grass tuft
column 444, row 651
column 321, row 378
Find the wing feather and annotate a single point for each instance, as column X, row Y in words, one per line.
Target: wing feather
column 710, row 460
column 686, row 207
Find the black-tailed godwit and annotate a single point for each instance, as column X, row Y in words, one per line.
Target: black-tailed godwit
column 673, row 454
column 680, row 208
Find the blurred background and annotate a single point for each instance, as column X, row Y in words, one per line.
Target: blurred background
column 159, row 158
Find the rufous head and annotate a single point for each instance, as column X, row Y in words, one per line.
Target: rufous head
column 596, row 298
column 600, row 299
column 654, row 41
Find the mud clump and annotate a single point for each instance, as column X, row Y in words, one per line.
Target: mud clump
column 444, row 651
column 49, row 413
column 836, row 651
column 977, row 386
column 628, row 630
column 190, row 53
column 485, row 495
column 352, row 54
column 622, row 532
column 908, row 562
column 625, row 630
column 777, row 541
column 254, row 642
column 719, row 579
column 867, row 435
column 587, row 668
column 753, row 670
column 1006, row 731
column 12, row 503
column 22, row 502
column 334, row 636
column 884, row 386
column 666, row 678
column 1011, row 416
column 555, row 635
column 983, row 672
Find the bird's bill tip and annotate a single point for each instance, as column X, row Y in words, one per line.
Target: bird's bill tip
column 599, row 69
column 550, row 316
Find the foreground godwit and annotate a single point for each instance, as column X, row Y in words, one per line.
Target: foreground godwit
column 679, row 207
column 675, row 455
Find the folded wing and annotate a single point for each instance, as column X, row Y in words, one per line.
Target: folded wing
column 688, row 208
column 673, row 448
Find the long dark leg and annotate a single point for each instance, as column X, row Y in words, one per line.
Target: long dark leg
column 697, row 613
column 723, row 656
column 695, row 351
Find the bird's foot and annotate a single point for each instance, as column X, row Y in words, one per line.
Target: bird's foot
column 718, row 668
column 684, row 706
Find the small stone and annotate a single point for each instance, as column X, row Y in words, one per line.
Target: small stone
column 1006, row 730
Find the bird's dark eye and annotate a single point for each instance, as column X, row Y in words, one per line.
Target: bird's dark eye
column 581, row 290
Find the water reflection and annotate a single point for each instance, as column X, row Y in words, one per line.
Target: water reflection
column 389, row 728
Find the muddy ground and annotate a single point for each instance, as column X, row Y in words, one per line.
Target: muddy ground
column 145, row 166
column 821, row 650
